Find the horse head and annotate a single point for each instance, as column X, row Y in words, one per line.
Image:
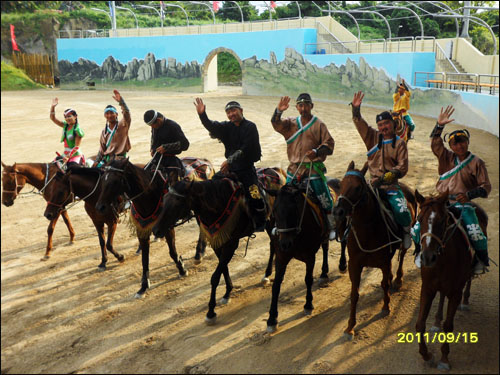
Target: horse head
column 114, row 184
column 433, row 218
column 287, row 211
column 176, row 205
column 58, row 194
column 353, row 188
column 12, row 184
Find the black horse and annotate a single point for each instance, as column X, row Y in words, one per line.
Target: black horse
column 145, row 190
column 224, row 219
column 301, row 228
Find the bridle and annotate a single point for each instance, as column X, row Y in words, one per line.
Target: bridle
column 353, row 205
column 15, row 191
column 450, row 228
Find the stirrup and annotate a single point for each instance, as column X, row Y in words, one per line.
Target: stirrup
column 480, row 268
column 418, row 260
column 332, row 235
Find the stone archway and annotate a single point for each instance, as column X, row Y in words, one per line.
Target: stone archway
column 209, row 68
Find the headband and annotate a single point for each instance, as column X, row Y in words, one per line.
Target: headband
column 458, row 133
column 153, row 119
column 233, row 105
column 110, row 109
column 69, row 110
column 384, row 116
column 304, row 98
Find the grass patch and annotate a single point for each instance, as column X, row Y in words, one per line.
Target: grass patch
column 162, row 83
column 16, row 79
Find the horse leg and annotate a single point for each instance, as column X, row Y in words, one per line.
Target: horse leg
column 280, row 269
column 439, row 314
column 200, row 249
column 308, row 307
column 109, row 243
column 398, row 282
column 426, row 298
column 464, row 306
column 50, row 233
column 229, row 286
column 386, row 284
column 453, row 302
column 69, row 225
column 269, row 268
column 100, row 234
column 145, row 283
column 170, row 238
column 355, row 276
column 225, row 253
column 323, row 279
column 342, row 260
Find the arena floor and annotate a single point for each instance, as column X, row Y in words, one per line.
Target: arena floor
column 64, row 316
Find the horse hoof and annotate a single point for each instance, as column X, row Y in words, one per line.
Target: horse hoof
column 138, row 251
column 265, row 280
column 463, row 307
column 210, row 321
column 430, row 362
column 139, row 295
column 349, row 335
column 443, row 366
column 385, row 312
column 45, row 258
column 101, row 267
column 308, row 312
column 323, row 281
column 186, row 273
column 434, row 329
column 272, row 329
column 342, row 270
column 121, row 259
column 197, row 261
column 225, row 301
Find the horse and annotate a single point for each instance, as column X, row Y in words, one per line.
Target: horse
column 86, row 183
column 358, row 204
column 39, row 175
column 446, row 266
column 301, row 229
column 224, row 219
column 145, row 189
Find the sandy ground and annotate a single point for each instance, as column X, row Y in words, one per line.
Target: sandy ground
column 64, row 316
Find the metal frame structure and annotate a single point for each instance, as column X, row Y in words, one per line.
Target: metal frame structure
column 408, row 9
column 208, row 6
column 127, row 9
column 150, row 7
column 376, row 13
column 339, row 11
column 178, row 6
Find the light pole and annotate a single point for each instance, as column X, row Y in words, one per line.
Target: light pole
column 156, row 10
column 242, row 19
column 136, row 23
column 208, row 6
column 178, row 6
column 107, row 14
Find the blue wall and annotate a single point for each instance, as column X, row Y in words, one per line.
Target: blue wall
column 404, row 64
column 186, row 48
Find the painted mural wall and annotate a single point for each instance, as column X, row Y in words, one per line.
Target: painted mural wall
column 272, row 65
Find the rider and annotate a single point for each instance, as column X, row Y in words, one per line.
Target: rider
column 401, row 98
column 114, row 141
column 72, row 135
column 242, row 149
column 167, row 140
column 307, row 136
column 465, row 176
column 387, row 161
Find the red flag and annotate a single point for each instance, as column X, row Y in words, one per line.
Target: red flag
column 13, row 37
column 273, row 4
column 216, row 6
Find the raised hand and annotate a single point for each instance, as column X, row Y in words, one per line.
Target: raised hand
column 117, row 96
column 444, row 117
column 200, row 107
column 284, row 103
column 357, row 99
column 55, row 102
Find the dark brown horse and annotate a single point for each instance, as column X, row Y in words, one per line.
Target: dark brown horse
column 301, row 228
column 224, row 219
column 446, row 266
column 145, row 189
column 38, row 175
column 85, row 183
column 370, row 242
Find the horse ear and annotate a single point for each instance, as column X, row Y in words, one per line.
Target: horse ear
column 351, row 165
column 3, row 165
column 420, row 198
column 365, row 168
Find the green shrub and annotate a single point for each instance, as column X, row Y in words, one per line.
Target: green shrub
column 15, row 79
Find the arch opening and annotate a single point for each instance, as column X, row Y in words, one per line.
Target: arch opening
column 222, row 69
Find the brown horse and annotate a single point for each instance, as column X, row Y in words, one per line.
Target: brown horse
column 358, row 204
column 38, row 175
column 145, row 189
column 301, row 228
column 85, row 183
column 446, row 266
column 402, row 128
column 224, row 219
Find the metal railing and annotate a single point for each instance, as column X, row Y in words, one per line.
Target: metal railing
column 441, row 55
column 456, row 81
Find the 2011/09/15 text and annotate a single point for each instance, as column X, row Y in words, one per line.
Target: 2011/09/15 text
column 438, row 337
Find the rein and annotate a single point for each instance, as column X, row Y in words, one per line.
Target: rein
column 449, row 228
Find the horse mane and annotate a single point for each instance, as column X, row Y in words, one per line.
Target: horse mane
column 141, row 177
